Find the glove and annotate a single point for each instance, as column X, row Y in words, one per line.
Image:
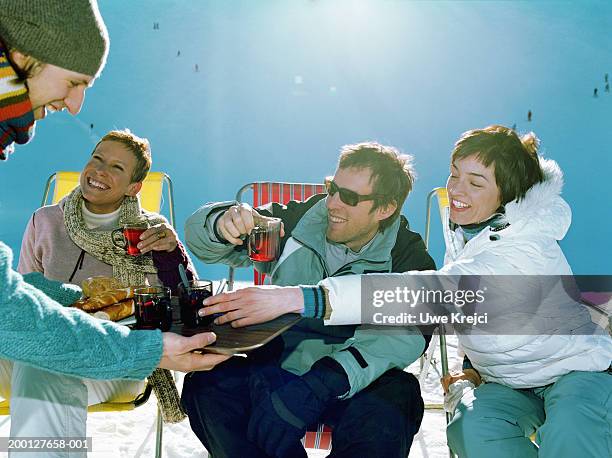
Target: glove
column 456, row 391
column 285, row 404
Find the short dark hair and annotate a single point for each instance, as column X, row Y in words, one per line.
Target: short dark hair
column 515, row 159
column 391, row 174
column 140, row 148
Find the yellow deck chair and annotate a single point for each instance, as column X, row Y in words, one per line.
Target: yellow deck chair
column 151, row 200
column 103, row 407
column 143, row 397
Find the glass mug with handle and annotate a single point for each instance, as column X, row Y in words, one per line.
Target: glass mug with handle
column 128, row 236
column 153, row 308
column 190, row 301
column 263, row 243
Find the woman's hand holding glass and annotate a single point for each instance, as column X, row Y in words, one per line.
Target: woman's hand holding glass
column 160, row 237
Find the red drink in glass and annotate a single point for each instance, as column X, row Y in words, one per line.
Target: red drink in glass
column 132, row 238
column 153, row 308
column 263, row 243
column 190, row 301
column 263, row 247
column 128, row 237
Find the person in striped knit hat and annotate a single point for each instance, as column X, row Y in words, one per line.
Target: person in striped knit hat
column 51, row 51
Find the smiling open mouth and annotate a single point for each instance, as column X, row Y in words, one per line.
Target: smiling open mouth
column 97, row 185
column 459, row 204
column 336, row 219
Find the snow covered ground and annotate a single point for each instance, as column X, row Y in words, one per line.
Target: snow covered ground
column 132, row 434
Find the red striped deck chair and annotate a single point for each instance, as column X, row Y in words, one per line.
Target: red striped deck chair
column 264, row 192
column 279, row 192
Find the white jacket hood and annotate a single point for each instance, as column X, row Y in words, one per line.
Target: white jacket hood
column 542, row 210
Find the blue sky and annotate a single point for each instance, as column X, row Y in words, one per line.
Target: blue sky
column 283, row 84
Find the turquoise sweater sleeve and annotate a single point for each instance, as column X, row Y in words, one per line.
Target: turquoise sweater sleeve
column 39, row 331
column 64, row 293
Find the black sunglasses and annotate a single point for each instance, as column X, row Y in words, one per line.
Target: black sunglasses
column 346, row 195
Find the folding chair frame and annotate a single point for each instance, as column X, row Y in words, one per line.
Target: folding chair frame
column 442, row 198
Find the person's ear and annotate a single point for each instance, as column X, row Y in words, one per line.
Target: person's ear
column 26, row 65
column 133, row 189
column 384, row 211
column 18, row 58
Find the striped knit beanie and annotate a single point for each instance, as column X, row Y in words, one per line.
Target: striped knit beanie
column 66, row 33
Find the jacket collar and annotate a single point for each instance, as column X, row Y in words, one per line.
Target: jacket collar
column 542, row 211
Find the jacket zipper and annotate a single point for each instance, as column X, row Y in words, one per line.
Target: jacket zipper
column 327, row 274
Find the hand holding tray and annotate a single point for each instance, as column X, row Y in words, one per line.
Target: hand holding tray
column 230, row 340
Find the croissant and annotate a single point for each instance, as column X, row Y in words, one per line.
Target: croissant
column 116, row 312
column 110, row 297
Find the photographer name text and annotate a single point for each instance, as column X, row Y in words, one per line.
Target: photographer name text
column 425, row 318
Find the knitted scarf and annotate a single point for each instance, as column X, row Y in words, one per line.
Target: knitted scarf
column 130, row 270
column 16, row 116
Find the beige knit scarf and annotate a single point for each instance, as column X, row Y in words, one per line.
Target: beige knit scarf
column 129, row 270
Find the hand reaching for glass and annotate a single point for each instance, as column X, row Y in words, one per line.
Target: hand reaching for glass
column 254, row 305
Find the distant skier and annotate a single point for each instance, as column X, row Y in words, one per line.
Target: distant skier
column 595, row 92
column 529, row 116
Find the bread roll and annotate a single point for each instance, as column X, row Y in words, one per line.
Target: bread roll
column 94, row 286
column 79, row 304
column 116, row 312
column 111, row 297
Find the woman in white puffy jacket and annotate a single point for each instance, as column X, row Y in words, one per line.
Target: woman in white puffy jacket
column 506, row 218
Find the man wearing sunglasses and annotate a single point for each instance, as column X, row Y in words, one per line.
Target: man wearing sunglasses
column 350, row 377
